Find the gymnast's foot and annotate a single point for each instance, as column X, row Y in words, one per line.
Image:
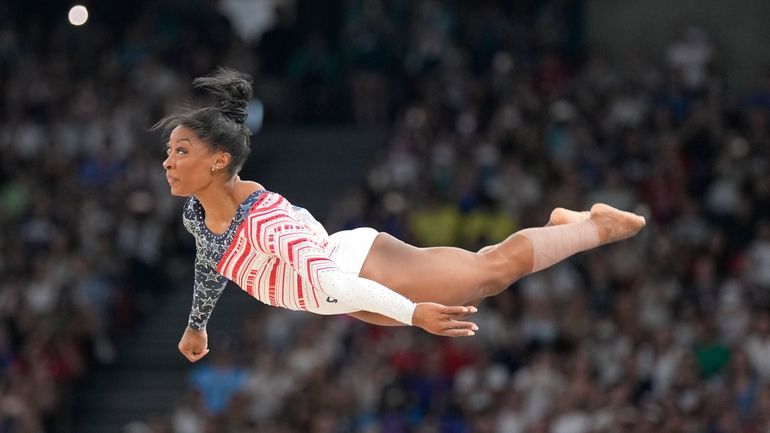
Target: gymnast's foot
column 613, row 224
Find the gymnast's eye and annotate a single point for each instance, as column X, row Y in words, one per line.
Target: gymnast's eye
column 178, row 150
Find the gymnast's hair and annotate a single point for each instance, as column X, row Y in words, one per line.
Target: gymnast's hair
column 223, row 125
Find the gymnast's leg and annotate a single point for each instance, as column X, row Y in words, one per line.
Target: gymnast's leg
column 453, row 276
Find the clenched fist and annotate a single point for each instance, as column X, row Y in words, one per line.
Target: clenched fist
column 194, row 344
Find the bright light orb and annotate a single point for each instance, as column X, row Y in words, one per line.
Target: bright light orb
column 78, row 15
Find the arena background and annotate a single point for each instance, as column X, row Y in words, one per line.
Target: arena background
column 441, row 122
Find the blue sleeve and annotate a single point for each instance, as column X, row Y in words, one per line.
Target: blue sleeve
column 207, row 289
column 208, row 284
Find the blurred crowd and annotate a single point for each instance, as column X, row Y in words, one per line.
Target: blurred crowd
column 496, row 113
column 85, row 215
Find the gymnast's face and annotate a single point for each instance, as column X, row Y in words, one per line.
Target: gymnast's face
column 189, row 162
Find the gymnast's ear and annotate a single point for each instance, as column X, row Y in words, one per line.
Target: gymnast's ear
column 223, row 160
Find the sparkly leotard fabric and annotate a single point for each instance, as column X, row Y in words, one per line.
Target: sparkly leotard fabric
column 279, row 254
column 209, row 249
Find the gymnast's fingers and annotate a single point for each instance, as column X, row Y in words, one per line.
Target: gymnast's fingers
column 457, row 324
column 193, row 357
column 458, row 310
column 455, row 332
column 471, row 310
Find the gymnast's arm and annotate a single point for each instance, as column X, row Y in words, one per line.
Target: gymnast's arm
column 283, row 235
column 375, row 319
column 207, row 288
column 379, row 319
column 296, row 244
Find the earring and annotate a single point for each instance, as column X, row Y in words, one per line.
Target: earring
column 213, row 169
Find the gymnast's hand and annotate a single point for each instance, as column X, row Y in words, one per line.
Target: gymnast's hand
column 194, row 344
column 442, row 320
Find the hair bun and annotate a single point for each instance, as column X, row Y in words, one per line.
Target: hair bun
column 232, row 88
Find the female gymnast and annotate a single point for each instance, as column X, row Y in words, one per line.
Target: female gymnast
column 282, row 256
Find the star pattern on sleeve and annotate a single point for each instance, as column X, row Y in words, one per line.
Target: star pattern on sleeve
column 209, row 286
column 208, row 282
column 209, row 302
column 211, row 275
column 196, row 314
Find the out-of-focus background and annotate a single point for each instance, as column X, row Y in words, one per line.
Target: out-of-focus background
column 443, row 122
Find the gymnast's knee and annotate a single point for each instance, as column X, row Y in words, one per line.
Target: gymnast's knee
column 499, row 273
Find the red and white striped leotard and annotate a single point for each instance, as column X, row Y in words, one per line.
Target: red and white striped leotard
column 279, row 254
